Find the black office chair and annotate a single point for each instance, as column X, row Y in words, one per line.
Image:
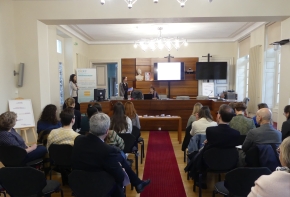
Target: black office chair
column 14, row 156
column 61, row 157
column 136, row 95
column 137, row 133
column 90, row 184
column 27, row 181
column 218, row 161
column 186, row 141
column 239, row 181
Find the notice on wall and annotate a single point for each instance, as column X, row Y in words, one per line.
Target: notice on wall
column 86, row 79
column 208, row 89
column 24, row 111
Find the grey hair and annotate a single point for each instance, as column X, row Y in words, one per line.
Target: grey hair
column 285, row 151
column 99, row 124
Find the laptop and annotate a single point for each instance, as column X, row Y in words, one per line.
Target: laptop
column 147, row 96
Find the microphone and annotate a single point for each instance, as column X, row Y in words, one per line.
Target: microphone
column 210, row 93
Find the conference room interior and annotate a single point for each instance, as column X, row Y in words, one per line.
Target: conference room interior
column 53, row 37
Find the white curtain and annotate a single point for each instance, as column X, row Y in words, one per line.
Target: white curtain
column 255, row 78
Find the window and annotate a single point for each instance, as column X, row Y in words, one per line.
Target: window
column 247, row 79
column 278, row 76
column 242, row 77
column 58, row 46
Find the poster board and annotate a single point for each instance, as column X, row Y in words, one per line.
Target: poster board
column 208, row 89
column 24, row 111
column 87, row 82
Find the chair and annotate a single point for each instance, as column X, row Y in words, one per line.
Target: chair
column 137, row 133
column 61, row 157
column 27, row 181
column 136, row 95
column 130, row 142
column 239, row 181
column 186, row 141
column 42, row 137
column 218, row 161
column 90, row 184
column 14, row 156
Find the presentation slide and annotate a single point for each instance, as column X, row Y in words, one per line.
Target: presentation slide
column 169, row 71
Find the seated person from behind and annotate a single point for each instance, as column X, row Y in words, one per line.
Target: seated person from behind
column 65, row 134
column 154, row 93
column 277, row 183
column 265, row 134
column 90, row 153
column 286, row 125
column 195, row 111
column 240, row 122
column 204, row 120
column 48, row 119
column 70, row 103
column 260, row 106
column 120, row 123
column 9, row 137
column 85, row 123
column 132, row 114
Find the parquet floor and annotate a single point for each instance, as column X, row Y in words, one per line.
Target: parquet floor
column 188, row 184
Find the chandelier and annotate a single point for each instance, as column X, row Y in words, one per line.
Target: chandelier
column 160, row 43
column 131, row 2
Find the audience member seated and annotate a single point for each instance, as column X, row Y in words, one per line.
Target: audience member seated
column 195, row 111
column 90, row 153
column 265, row 134
column 85, row 122
column 48, row 119
column 154, row 93
column 286, row 125
column 65, row 134
column 232, row 105
column 70, row 103
column 240, row 122
column 204, row 120
column 9, row 137
column 132, row 114
column 120, row 123
column 277, row 183
column 260, row 106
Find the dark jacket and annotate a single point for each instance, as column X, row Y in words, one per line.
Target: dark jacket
column 285, row 129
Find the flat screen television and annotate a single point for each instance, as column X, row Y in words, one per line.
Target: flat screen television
column 211, row 70
column 165, row 71
column 99, row 94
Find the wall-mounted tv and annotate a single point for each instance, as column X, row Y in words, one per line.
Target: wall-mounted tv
column 168, row 71
column 211, row 70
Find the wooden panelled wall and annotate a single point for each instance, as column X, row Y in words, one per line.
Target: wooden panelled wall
column 187, row 87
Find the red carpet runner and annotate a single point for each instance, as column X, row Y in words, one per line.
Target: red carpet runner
column 161, row 167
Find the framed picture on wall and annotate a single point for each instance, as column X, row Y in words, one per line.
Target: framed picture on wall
column 147, row 76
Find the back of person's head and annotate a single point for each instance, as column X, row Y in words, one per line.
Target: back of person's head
column 70, row 102
column 99, row 124
column 264, row 114
column 240, row 106
column 204, row 112
column 196, row 108
column 287, row 111
column 91, row 110
column 226, row 113
column 66, row 116
column 262, row 105
column 285, row 152
column 98, row 106
column 71, row 78
column 7, row 120
column 48, row 114
column 232, row 105
column 130, row 110
column 118, row 120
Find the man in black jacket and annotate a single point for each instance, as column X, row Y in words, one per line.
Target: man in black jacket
column 91, row 153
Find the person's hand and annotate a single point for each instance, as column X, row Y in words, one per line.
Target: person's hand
column 196, row 116
column 205, row 141
column 33, row 147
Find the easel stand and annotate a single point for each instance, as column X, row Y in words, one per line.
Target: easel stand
column 23, row 132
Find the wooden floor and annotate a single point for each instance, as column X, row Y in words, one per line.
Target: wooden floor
column 188, row 184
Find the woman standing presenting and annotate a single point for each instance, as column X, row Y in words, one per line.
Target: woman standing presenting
column 73, row 89
column 123, row 88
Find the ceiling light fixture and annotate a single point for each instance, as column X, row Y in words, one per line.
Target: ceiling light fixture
column 130, row 3
column 181, row 2
column 155, row 1
column 160, row 43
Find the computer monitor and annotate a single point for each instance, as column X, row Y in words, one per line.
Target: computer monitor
column 147, row 96
column 99, row 94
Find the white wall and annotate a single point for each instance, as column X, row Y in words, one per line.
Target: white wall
column 8, row 61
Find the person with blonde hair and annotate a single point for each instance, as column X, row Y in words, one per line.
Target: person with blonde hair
column 192, row 117
column 132, row 114
column 70, row 103
column 9, row 137
column 277, row 183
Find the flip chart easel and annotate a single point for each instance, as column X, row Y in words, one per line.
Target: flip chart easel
column 25, row 118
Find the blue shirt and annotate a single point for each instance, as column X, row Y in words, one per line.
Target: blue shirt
column 41, row 125
column 11, row 138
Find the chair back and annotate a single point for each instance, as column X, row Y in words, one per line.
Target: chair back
column 129, row 141
column 136, row 95
column 136, row 132
column 12, row 156
column 223, row 160
column 22, row 181
column 187, row 138
column 60, row 154
column 240, row 180
column 90, row 184
column 42, row 137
